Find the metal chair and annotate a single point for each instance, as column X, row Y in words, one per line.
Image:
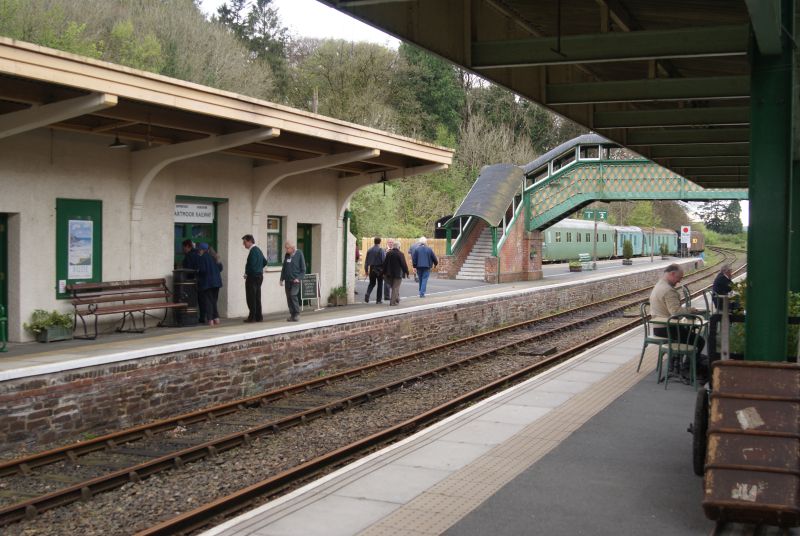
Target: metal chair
column 687, row 296
column 683, row 333
column 649, row 338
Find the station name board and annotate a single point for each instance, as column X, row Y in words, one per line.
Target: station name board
column 194, row 213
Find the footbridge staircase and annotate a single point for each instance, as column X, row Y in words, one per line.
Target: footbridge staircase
column 510, row 205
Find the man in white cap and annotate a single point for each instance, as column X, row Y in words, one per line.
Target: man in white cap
column 423, row 260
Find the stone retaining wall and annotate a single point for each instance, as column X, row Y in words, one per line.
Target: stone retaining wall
column 90, row 400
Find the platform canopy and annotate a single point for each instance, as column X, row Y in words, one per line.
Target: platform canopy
column 42, row 87
column 489, row 196
column 669, row 80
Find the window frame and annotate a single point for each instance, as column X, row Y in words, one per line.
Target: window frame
column 279, row 232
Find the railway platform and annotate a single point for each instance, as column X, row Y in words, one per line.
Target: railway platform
column 32, row 358
column 589, row 447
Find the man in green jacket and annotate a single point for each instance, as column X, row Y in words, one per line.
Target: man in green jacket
column 253, row 278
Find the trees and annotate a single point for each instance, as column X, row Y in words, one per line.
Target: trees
column 722, row 216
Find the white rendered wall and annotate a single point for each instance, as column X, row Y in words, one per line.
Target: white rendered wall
column 38, row 167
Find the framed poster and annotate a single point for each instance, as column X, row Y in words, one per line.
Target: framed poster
column 79, row 254
column 79, row 242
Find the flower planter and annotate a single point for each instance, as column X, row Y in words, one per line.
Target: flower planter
column 336, row 301
column 664, row 257
column 575, row 269
column 55, row 333
column 627, row 262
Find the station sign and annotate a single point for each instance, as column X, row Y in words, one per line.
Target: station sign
column 686, row 234
column 602, row 215
column 194, row 213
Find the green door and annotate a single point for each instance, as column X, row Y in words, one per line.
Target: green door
column 4, row 261
column 304, row 242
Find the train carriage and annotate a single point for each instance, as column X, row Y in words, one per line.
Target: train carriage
column 661, row 236
column 634, row 234
column 697, row 243
column 568, row 238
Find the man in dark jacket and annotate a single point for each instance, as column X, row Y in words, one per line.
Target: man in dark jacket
column 424, row 259
column 209, row 281
column 373, row 267
column 190, row 255
column 394, row 270
column 294, row 268
column 253, row 278
column 722, row 285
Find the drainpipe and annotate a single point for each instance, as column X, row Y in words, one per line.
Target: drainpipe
column 345, row 232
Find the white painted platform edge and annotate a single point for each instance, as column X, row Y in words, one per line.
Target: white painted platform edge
column 418, row 436
column 125, row 355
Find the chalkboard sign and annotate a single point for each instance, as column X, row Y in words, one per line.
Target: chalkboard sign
column 309, row 288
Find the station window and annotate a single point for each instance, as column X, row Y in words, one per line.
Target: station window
column 590, row 152
column 274, row 240
column 564, row 160
column 569, row 237
column 558, row 236
column 577, row 237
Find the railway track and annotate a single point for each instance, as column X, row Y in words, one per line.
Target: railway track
column 131, row 455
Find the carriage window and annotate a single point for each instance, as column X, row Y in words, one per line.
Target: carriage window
column 577, row 237
column 569, row 237
column 605, row 237
column 558, row 236
column 588, row 237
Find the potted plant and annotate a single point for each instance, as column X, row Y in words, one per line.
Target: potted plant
column 627, row 252
column 338, row 296
column 50, row 326
column 575, row 266
column 664, row 251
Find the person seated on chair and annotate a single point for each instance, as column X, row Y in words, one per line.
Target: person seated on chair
column 723, row 284
column 665, row 301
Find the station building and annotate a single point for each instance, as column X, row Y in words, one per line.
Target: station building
column 105, row 170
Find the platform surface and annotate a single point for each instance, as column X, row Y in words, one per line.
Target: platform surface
column 589, row 447
column 32, row 358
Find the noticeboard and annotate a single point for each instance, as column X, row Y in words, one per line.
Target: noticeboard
column 309, row 288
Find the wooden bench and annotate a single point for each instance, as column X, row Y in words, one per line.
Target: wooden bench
column 126, row 297
column 586, row 261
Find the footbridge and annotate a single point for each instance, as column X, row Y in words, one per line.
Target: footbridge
column 507, row 200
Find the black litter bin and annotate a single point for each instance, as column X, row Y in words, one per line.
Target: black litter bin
column 184, row 283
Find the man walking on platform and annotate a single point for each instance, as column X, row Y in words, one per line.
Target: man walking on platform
column 411, row 250
column 294, row 268
column 423, row 259
column 373, row 267
column 253, row 278
column 395, row 269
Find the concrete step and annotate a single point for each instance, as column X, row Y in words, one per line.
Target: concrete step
column 469, row 277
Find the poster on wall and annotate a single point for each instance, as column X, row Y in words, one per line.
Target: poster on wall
column 80, row 247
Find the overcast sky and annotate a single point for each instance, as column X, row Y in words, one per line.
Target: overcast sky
column 309, row 18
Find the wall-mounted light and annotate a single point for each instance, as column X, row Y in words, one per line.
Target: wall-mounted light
column 117, row 144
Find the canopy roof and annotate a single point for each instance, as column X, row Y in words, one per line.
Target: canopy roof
column 490, row 194
column 79, row 94
column 668, row 79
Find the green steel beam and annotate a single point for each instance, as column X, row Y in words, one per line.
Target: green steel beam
column 770, row 176
column 794, row 230
column 703, row 162
column 740, row 171
column 658, row 89
column 690, row 135
column 765, row 16
column 611, row 46
column 707, row 149
column 674, row 117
